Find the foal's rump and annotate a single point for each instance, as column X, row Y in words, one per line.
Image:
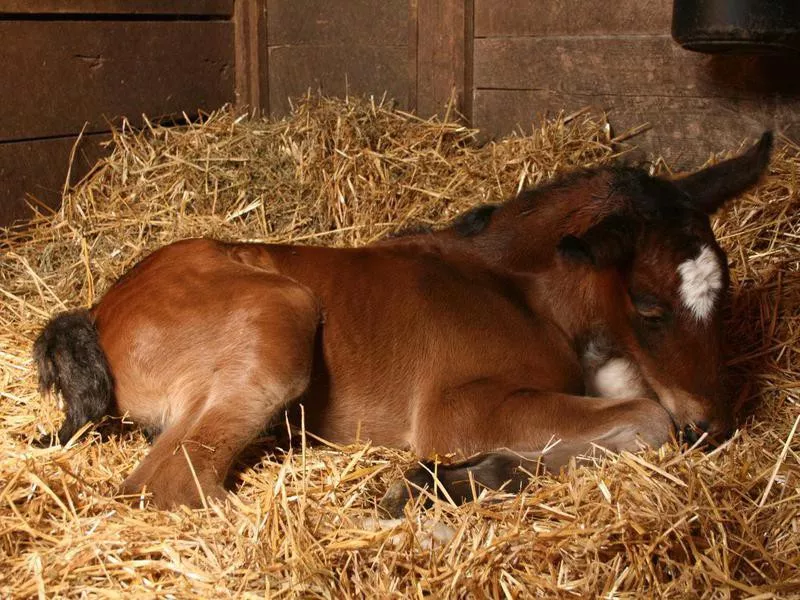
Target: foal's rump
column 189, row 321
column 207, row 350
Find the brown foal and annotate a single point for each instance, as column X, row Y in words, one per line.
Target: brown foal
column 587, row 310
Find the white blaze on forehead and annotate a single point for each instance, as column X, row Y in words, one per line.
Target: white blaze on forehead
column 701, row 282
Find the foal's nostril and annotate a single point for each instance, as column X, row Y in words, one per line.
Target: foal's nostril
column 690, row 434
column 693, row 431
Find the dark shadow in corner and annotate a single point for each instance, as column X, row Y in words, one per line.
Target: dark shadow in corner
column 749, row 340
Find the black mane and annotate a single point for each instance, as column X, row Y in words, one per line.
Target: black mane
column 475, row 220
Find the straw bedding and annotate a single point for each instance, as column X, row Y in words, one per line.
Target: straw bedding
column 671, row 523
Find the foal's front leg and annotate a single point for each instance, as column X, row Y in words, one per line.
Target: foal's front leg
column 518, row 433
column 488, row 414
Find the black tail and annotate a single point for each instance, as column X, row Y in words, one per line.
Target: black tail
column 71, row 362
column 712, row 187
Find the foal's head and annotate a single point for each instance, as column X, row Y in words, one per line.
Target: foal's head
column 652, row 254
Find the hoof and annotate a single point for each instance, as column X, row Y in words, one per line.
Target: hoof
column 46, row 441
column 394, row 501
column 172, row 486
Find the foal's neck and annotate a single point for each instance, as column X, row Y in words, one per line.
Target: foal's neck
column 522, row 235
column 521, row 238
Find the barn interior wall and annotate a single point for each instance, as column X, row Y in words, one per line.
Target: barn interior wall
column 72, row 67
column 507, row 63
column 537, row 57
column 510, row 63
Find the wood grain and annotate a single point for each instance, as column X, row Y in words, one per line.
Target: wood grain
column 684, row 130
column 571, row 17
column 219, row 8
column 58, row 75
column 413, row 44
column 332, row 22
column 35, row 172
column 252, row 67
column 441, row 54
column 336, row 71
column 630, row 65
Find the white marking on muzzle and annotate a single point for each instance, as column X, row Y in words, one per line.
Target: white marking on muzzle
column 618, row 378
column 701, row 282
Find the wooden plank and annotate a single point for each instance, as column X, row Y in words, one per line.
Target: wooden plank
column 626, row 65
column 413, row 44
column 35, row 172
column 466, row 107
column 219, row 8
column 441, row 54
column 571, row 17
column 335, row 71
column 58, row 75
column 329, row 22
column 252, row 75
column 684, row 130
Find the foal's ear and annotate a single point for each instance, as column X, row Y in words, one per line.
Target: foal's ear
column 712, row 187
column 609, row 243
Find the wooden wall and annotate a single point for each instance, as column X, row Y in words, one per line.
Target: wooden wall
column 508, row 62
column 535, row 57
column 358, row 46
column 412, row 50
column 512, row 62
column 79, row 65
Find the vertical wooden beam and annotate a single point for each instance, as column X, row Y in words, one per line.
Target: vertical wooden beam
column 469, row 54
column 252, row 76
column 444, row 61
column 412, row 54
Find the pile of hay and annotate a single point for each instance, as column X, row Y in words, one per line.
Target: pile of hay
column 667, row 522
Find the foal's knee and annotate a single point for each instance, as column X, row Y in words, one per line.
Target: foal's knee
column 641, row 422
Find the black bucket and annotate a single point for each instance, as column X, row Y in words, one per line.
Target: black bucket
column 737, row 26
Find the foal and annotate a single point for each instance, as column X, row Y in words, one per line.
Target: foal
column 588, row 310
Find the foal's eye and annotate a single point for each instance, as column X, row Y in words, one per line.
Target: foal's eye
column 652, row 314
column 650, row 310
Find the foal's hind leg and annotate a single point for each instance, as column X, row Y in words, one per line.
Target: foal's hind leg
column 513, row 428
column 261, row 363
column 191, row 459
column 463, row 480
